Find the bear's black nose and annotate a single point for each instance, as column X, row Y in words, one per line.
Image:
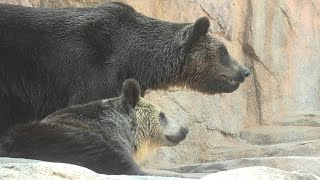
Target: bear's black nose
column 180, row 136
column 184, row 130
column 246, row 72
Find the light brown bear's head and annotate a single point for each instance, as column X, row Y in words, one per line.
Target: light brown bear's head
column 209, row 68
column 152, row 127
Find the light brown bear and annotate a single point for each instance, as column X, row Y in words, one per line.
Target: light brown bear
column 103, row 136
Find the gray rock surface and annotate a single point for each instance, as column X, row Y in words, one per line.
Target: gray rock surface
column 290, row 163
column 300, row 119
column 17, row 2
column 12, row 169
column 24, row 169
column 260, row 172
column 279, row 134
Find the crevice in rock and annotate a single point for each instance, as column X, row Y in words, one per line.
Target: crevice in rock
column 246, row 48
column 317, row 10
column 210, row 17
column 59, row 175
column 245, row 40
column 223, row 33
column 225, row 134
column 258, row 91
column 178, row 104
column 10, row 167
column 287, row 18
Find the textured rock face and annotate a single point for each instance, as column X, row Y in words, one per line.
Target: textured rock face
column 290, row 163
column 284, row 36
column 11, row 169
column 32, row 169
column 252, row 173
column 65, row 3
column 17, row 2
column 280, row 42
column 279, row 134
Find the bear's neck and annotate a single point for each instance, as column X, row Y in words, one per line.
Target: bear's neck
column 146, row 150
column 155, row 57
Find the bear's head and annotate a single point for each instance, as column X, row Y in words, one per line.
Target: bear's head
column 209, row 68
column 152, row 127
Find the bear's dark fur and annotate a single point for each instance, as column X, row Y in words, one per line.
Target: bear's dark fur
column 104, row 136
column 53, row 58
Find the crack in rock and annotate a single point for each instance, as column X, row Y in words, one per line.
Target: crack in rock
column 251, row 52
column 287, row 18
column 215, row 20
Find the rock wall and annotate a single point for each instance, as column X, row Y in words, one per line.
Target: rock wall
column 14, row 168
column 17, row 2
column 278, row 40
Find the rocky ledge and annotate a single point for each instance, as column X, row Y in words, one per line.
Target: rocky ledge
column 11, row 168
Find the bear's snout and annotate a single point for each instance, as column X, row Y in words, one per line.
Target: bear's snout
column 242, row 74
column 178, row 137
column 184, row 131
column 246, row 72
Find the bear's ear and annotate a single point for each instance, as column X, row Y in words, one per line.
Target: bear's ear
column 193, row 33
column 131, row 93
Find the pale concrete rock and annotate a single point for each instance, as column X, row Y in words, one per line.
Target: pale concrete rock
column 302, row 148
column 260, row 172
column 255, row 168
column 290, row 163
column 17, row 2
column 64, row 3
column 300, row 119
column 24, row 169
column 262, row 135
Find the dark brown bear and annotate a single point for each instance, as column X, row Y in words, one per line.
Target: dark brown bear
column 54, row 58
column 106, row 136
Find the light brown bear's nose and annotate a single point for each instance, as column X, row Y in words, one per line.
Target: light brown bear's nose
column 184, row 130
column 183, row 133
column 180, row 136
column 246, row 72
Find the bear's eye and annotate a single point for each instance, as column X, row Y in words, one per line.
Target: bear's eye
column 162, row 115
column 224, row 57
column 223, row 51
column 163, row 118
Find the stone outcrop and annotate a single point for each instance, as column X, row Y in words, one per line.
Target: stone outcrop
column 32, row 169
column 17, row 2
column 289, row 163
column 11, row 169
column 253, row 173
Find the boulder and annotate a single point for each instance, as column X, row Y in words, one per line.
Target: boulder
column 17, row 2
column 11, row 169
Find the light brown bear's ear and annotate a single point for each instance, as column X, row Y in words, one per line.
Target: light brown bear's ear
column 131, row 93
column 193, row 33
